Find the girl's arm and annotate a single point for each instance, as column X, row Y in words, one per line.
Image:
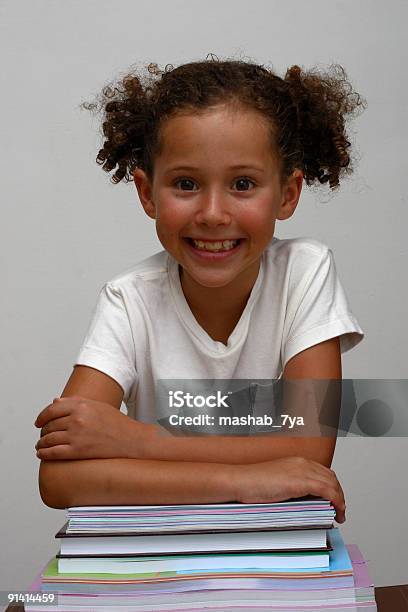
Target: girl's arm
column 142, row 481
column 133, row 481
column 322, row 361
column 80, row 429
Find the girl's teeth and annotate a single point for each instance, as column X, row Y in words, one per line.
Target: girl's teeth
column 225, row 245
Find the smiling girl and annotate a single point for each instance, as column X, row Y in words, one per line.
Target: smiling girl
column 218, row 152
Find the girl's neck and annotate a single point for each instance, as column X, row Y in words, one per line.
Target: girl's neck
column 218, row 309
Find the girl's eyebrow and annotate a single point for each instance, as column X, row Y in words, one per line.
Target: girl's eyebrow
column 196, row 169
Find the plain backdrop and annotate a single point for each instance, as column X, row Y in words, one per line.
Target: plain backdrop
column 66, row 230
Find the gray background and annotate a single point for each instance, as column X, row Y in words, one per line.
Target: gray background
column 66, row 230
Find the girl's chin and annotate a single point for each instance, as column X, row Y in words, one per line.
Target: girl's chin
column 209, row 279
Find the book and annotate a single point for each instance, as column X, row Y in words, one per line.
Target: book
column 136, row 544
column 208, row 518
column 130, row 565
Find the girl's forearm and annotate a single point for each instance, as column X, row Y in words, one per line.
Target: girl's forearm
column 238, row 450
column 134, row 481
column 301, row 398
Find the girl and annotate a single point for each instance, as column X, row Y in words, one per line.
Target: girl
column 218, row 151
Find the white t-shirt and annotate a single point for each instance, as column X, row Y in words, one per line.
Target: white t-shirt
column 143, row 329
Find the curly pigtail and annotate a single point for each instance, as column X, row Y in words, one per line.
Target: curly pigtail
column 322, row 102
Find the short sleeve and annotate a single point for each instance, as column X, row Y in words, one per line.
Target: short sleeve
column 318, row 309
column 109, row 345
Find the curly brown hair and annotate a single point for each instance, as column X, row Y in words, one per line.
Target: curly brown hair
column 307, row 111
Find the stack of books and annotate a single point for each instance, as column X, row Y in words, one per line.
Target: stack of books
column 279, row 556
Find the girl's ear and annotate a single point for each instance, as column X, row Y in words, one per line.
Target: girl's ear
column 144, row 189
column 290, row 195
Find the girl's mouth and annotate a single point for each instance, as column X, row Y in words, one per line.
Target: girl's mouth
column 214, row 246
column 214, row 249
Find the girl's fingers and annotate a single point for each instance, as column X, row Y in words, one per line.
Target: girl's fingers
column 52, row 439
column 60, row 424
column 328, row 476
column 337, row 491
column 330, row 492
column 60, row 407
column 321, row 469
column 56, row 453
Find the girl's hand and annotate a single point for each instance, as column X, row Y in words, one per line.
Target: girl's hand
column 80, row 428
column 291, row 477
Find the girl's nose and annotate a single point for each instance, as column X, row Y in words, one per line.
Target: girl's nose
column 213, row 209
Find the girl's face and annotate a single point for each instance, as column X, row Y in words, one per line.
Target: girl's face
column 216, row 194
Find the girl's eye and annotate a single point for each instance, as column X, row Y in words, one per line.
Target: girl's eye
column 185, row 184
column 242, row 184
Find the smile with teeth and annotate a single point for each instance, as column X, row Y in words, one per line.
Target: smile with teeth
column 216, row 246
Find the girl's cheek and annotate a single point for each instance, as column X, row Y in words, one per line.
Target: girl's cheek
column 166, row 233
column 174, row 215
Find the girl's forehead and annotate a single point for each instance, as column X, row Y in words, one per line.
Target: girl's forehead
column 224, row 114
column 219, row 130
